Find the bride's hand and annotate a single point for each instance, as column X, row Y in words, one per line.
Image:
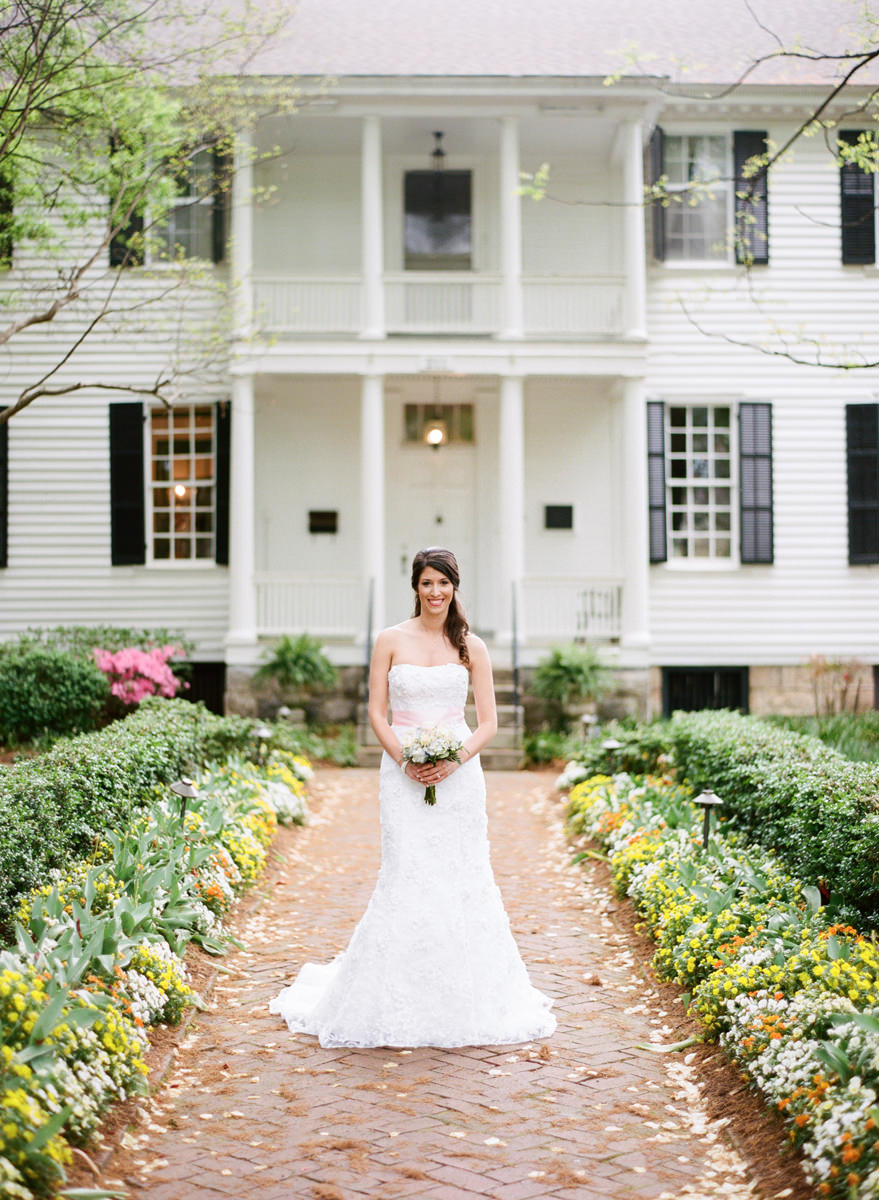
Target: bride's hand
column 437, row 772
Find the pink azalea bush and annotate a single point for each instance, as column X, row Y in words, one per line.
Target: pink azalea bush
column 135, row 673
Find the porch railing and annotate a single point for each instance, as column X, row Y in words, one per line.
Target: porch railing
column 572, row 609
column 438, row 302
column 326, row 606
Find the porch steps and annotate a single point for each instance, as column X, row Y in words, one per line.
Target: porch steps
column 503, row 752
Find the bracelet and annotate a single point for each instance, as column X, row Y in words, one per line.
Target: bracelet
column 403, row 764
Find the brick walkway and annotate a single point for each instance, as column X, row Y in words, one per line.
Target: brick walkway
column 252, row 1112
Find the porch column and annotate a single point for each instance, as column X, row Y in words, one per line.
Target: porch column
column 371, row 231
column 636, row 623
column 372, row 492
column 242, row 633
column 511, row 498
column 510, row 230
column 634, row 245
column 241, row 235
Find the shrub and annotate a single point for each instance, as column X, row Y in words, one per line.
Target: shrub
column 297, row 664
column 569, row 675
column 791, row 793
column 47, row 691
column 56, row 808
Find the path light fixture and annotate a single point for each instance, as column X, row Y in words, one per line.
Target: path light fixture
column 706, row 801
column 261, row 734
column 186, row 790
column 611, row 745
column 589, row 721
column 285, row 712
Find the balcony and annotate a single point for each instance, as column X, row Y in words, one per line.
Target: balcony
column 431, row 303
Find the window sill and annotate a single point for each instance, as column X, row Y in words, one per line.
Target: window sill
column 700, row 567
column 695, row 264
column 161, row 564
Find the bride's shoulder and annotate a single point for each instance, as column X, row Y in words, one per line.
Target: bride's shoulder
column 477, row 648
column 388, row 639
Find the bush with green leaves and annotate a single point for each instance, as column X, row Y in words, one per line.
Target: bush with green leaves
column 57, row 807
column 856, row 735
column 47, row 691
column 569, row 675
column 298, row 665
column 799, row 798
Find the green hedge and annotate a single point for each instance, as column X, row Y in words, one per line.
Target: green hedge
column 812, row 806
column 44, row 690
column 54, row 807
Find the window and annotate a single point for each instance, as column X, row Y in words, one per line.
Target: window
column 439, row 424
column 699, row 456
column 716, row 200
column 182, row 472
column 862, row 453
column 195, row 225
column 693, row 688
column 692, row 452
column 437, row 233
column 857, row 206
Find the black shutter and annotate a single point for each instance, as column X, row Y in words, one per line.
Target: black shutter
column 223, row 422
column 755, row 482
column 656, row 480
column 127, row 547
column 656, row 163
column 862, row 447
column 4, row 495
column 7, row 215
column 752, row 200
column 857, row 209
column 121, row 253
column 222, row 166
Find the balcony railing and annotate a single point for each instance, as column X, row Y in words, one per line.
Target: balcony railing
column 439, row 303
column 324, row 606
column 572, row 609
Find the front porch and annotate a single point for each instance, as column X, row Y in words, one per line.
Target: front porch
column 536, row 483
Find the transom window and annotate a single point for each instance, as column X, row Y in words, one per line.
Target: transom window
column 696, row 225
column 438, row 424
column 699, row 455
column 182, row 482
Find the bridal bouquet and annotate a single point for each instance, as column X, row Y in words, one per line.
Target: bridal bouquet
column 430, row 745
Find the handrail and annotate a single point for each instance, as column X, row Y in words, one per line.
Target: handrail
column 514, row 651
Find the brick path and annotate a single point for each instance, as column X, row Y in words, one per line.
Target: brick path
column 252, row 1112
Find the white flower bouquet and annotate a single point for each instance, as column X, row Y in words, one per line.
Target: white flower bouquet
column 431, row 745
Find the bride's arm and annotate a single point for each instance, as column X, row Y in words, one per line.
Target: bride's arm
column 379, row 666
column 483, row 696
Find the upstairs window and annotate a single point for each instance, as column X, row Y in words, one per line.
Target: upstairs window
column 196, row 223
column 717, row 204
column 437, row 227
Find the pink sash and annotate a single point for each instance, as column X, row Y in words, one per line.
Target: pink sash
column 404, row 717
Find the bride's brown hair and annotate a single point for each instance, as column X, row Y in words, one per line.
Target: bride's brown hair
column 456, row 627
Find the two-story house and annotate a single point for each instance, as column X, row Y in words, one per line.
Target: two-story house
column 607, row 414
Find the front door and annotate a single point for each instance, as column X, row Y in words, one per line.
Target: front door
column 430, row 502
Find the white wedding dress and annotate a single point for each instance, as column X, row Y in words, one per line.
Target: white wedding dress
column 432, row 961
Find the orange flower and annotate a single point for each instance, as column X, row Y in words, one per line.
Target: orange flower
column 801, row 1119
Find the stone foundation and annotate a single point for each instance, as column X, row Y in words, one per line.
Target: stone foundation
column 789, row 691
column 338, row 707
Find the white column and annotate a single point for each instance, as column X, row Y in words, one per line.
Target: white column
column 510, row 229
column 241, row 235
column 634, row 245
column 511, row 498
column 241, row 637
column 636, row 619
column 372, row 492
column 371, row 230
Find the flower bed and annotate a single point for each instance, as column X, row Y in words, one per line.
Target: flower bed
column 97, row 956
column 55, row 807
column 791, row 995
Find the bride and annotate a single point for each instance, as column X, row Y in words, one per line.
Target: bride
column 432, row 961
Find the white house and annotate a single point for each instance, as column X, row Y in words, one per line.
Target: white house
column 587, row 398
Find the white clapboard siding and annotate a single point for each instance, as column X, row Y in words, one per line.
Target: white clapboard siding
column 810, row 600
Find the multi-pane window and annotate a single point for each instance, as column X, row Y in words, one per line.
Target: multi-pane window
column 193, row 226
column 423, row 422
column 699, row 458
column 182, row 482
column 698, row 218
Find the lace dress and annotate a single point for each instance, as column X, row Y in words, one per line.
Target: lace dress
column 432, row 961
